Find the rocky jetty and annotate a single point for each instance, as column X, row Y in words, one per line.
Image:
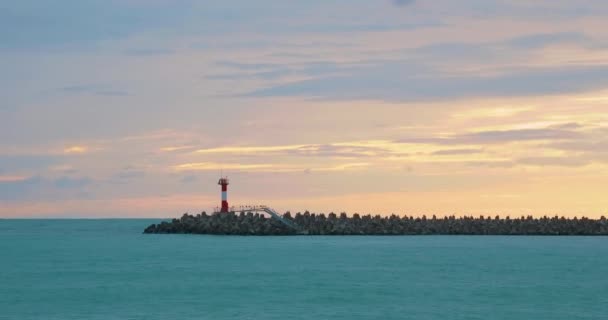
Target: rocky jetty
column 332, row 224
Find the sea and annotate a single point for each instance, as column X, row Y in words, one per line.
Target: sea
column 108, row 269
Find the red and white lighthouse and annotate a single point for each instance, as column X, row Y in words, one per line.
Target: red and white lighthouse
column 224, row 183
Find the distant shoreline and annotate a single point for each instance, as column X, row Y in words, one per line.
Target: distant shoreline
column 332, row 224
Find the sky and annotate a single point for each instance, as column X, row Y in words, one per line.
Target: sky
column 134, row 108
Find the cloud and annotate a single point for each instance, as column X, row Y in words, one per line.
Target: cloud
column 568, row 126
column 93, row 89
column 402, row 81
column 535, row 41
column 402, row 2
column 14, row 163
column 149, row 52
column 308, row 150
column 212, row 166
column 75, row 150
column 329, row 150
column 11, row 178
column 188, row 179
column 249, row 149
column 177, row 149
column 592, row 147
column 554, row 161
column 34, row 25
column 454, row 50
column 38, row 187
column 436, row 53
column 552, row 133
column 128, row 174
column 490, row 164
column 517, row 135
column 19, row 189
column 31, row 25
column 268, row 71
column 586, row 145
column 452, row 152
column 112, row 93
column 70, row 182
column 268, row 167
column 248, row 66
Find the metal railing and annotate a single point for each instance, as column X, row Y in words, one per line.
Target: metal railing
column 262, row 208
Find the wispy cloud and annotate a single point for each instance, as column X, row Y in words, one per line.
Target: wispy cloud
column 541, row 40
column 149, row 51
column 70, row 182
column 13, row 178
column 346, row 149
column 39, row 187
column 17, row 163
column 177, row 149
column 211, row 166
column 250, row 149
column 75, row 150
column 402, row 2
column 551, row 133
column 268, row 167
column 127, row 174
column 94, row 89
column 409, row 84
column 518, row 135
column 568, row 161
column 451, row 152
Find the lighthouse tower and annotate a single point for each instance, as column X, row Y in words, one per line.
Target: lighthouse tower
column 224, row 183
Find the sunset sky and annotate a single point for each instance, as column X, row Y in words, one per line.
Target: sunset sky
column 131, row 108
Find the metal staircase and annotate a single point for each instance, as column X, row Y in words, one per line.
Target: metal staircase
column 275, row 215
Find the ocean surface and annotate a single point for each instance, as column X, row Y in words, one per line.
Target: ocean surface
column 108, row 269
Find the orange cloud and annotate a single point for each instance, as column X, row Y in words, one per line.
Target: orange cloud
column 255, row 149
column 210, row 166
column 75, row 150
column 12, row 178
column 172, row 149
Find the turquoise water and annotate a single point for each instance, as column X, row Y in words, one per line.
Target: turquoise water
column 107, row 269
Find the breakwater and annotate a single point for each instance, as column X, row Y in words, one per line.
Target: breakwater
column 332, row 224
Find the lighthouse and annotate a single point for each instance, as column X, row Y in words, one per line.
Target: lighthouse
column 224, row 183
